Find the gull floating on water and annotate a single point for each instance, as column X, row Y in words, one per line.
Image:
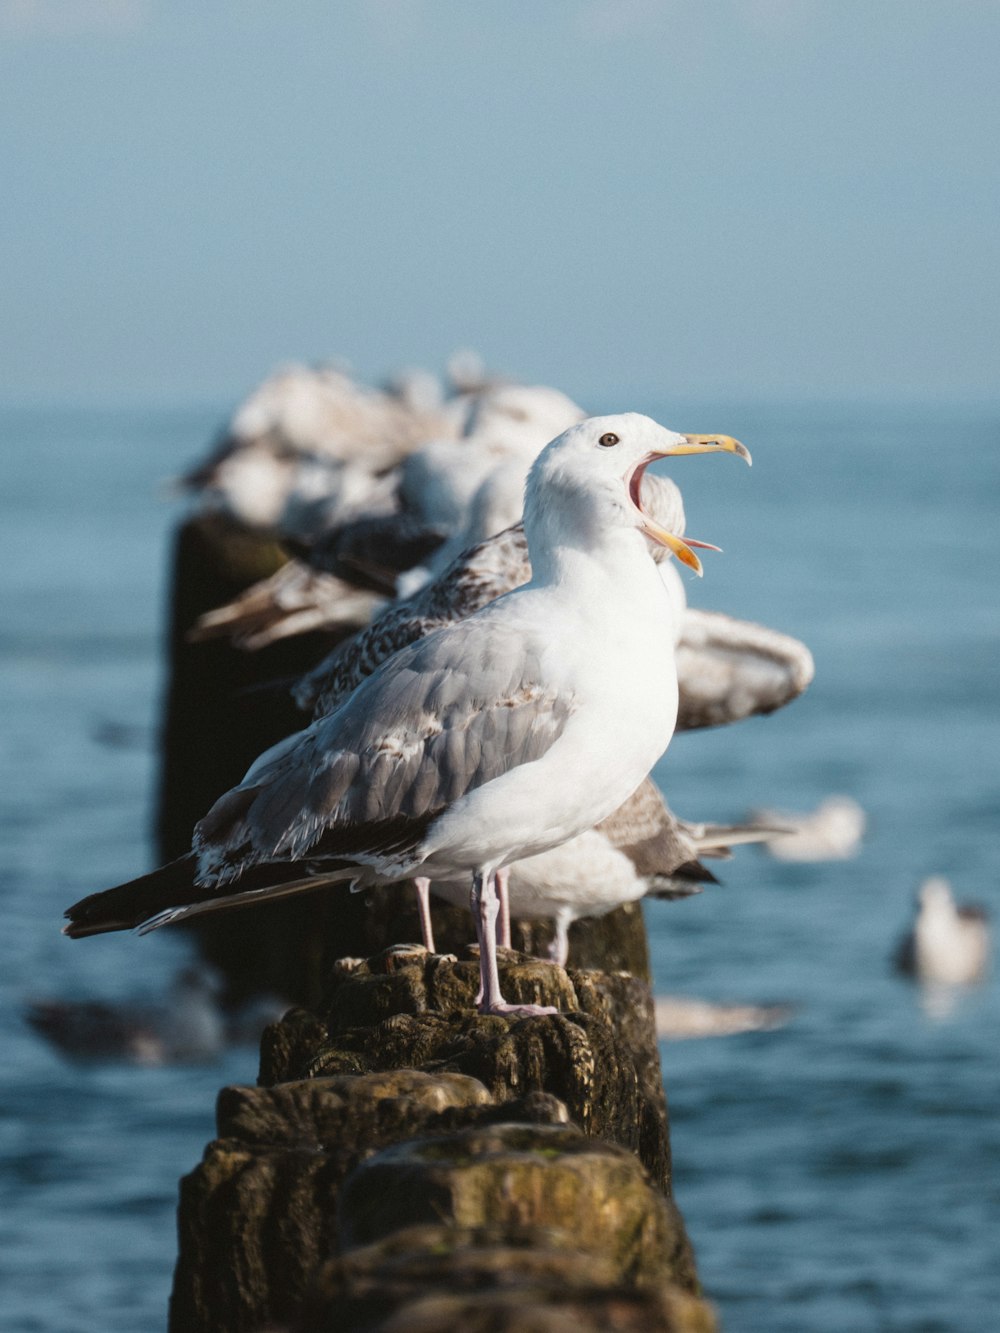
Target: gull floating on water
column 949, row 943
column 679, row 1018
column 190, row 1026
column 831, row 832
column 488, row 741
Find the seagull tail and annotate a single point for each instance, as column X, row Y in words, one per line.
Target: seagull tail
column 683, row 882
column 171, row 893
column 715, row 840
column 245, row 898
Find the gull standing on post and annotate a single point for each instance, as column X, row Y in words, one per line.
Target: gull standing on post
column 493, row 739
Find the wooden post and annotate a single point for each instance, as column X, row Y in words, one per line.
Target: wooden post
column 408, row 1163
column 408, row 1159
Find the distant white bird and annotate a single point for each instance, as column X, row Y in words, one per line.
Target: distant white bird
column 488, row 741
column 949, row 943
column 679, row 1018
column 831, row 832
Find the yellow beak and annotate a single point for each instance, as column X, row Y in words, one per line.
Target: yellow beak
column 710, row 444
column 676, row 545
column 693, row 444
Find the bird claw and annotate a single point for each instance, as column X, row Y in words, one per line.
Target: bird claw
column 505, row 1010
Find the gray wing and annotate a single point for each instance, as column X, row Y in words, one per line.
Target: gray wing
column 440, row 719
column 478, row 576
column 665, row 849
column 649, row 833
column 729, row 669
column 293, row 600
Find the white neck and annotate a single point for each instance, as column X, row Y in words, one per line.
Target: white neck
column 618, row 556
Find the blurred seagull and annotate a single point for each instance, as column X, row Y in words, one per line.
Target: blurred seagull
column 191, row 1026
column 488, row 741
column 831, row 832
column 309, row 445
column 949, row 943
column 679, row 1018
column 294, row 600
column 501, row 430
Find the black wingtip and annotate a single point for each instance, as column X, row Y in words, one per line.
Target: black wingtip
column 128, row 905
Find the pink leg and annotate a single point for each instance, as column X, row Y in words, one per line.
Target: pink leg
column 503, row 936
column 559, row 948
column 423, row 887
column 477, row 918
column 486, row 909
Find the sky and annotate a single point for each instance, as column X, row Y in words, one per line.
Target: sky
column 765, row 199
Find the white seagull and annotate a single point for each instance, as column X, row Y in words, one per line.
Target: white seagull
column 949, row 943
column 491, row 740
column 831, row 832
column 308, row 443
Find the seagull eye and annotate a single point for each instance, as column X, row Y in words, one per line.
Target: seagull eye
column 606, row 441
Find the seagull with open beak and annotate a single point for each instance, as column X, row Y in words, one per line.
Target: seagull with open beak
column 492, row 739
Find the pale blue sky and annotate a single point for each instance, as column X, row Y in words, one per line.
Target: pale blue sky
column 766, row 198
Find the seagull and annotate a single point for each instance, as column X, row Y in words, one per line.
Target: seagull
column 831, row 832
column 949, row 943
column 600, row 869
column 728, row 669
column 431, row 497
column 311, row 442
column 487, row 741
column 591, row 874
column 680, row 1018
column 190, row 1026
column 294, row 600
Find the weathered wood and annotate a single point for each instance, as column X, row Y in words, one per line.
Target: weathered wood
column 435, row 1279
column 408, row 1163
column 477, row 1124
column 412, row 1009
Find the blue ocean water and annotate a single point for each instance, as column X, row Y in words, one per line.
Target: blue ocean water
column 840, row 1173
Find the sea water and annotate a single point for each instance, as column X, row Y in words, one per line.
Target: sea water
column 840, row 1173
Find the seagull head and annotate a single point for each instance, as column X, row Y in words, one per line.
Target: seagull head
column 589, row 479
column 934, row 895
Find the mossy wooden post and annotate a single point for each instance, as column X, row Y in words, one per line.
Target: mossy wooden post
column 408, row 1163
column 406, row 1156
column 217, row 720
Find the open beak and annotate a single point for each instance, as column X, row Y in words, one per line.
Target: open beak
column 693, row 444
